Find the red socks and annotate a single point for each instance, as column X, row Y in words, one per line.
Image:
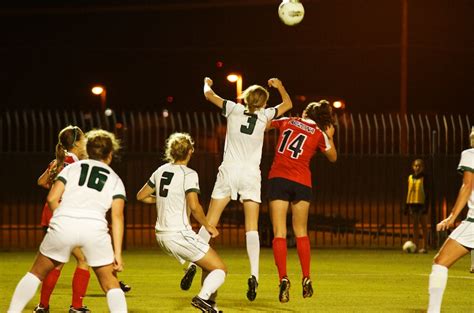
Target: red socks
column 304, row 252
column 79, row 286
column 279, row 253
column 48, row 286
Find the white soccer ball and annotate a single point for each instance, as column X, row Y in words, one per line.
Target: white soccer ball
column 291, row 12
column 409, row 247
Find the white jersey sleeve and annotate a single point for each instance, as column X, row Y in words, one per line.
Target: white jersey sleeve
column 467, row 161
column 119, row 191
column 151, row 181
column 63, row 175
column 191, row 182
column 270, row 113
column 227, row 107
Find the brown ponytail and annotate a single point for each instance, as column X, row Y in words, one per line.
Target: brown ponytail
column 321, row 113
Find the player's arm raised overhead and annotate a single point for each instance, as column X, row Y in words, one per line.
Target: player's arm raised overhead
column 286, row 104
column 331, row 153
column 210, row 94
column 196, row 210
column 145, row 194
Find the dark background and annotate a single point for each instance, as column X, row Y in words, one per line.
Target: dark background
column 52, row 53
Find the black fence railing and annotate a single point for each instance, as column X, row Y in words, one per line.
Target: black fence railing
column 357, row 200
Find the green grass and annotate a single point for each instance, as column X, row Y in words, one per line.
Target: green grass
column 343, row 280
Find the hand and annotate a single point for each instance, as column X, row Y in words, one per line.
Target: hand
column 275, row 83
column 208, row 81
column 118, row 263
column 445, row 224
column 212, row 230
column 329, row 131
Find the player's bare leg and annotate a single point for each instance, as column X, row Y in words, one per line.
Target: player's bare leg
column 424, row 232
column 251, row 211
column 110, row 285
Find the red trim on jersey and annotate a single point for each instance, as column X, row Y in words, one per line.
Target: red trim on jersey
column 297, row 143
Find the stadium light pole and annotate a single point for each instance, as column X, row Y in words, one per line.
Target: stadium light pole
column 102, row 92
column 237, row 79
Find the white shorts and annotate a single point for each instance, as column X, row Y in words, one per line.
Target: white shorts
column 184, row 245
column 91, row 236
column 232, row 181
column 464, row 234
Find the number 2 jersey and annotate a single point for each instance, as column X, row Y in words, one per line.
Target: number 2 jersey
column 90, row 188
column 245, row 131
column 172, row 182
column 298, row 141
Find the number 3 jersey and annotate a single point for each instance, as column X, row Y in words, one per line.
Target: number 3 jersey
column 245, row 131
column 172, row 182
column 90, row 188
column 298, row 141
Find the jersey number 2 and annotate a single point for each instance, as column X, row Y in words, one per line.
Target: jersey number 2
column 295, row 146
column 97, row 178
column 165, row 181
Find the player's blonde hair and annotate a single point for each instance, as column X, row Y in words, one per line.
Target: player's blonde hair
column 100, row 143
column 255, row 97
column 67, row 138
column 178, row 146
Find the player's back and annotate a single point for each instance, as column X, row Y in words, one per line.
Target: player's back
column 90, row 188
column 245, row 133
column 172, row 182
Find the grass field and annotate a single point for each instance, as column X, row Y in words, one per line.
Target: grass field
column 343, row 280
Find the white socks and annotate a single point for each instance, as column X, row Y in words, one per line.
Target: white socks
column 212, row 282
column 253, row 251
column 24, row 291
column 116, row 301
column 438, row 280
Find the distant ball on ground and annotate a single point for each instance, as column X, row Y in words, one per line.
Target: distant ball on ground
column 291, row 12
column 409, row 247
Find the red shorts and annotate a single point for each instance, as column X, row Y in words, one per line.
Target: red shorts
column 46, row 215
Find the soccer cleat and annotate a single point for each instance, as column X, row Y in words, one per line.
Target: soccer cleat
column 188, row 277
column 471, row 270
column 124, row 286
column 41, row 309
column 203, row 305
column 253, row 285
column 307, row 287
column 82, row 309
column 284, row 295
column 214, row 305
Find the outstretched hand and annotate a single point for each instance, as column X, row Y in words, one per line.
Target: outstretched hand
column 329, row 130
column 275, row 83
column 208, row 81
column 212, row 230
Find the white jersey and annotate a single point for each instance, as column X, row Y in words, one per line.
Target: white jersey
column 90, row 188
column 467, row 164
column 245, row 131
column 172, row 182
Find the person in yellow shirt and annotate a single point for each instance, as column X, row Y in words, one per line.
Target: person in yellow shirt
column 416, row 204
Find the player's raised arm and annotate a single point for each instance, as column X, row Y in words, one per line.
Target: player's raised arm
column 286, row 105
column 198, row 213
column 210, row 94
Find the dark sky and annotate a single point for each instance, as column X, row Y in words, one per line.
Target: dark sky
column 145, row 51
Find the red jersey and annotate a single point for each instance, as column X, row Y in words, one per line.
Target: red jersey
column 47, row 213
column 298, row 141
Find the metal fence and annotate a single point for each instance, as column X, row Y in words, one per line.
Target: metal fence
column 357, row 200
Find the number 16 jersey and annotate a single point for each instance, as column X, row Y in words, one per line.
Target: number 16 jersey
column 298, row 141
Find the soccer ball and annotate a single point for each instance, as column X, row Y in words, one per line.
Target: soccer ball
column 291, row 12
column 409, row 247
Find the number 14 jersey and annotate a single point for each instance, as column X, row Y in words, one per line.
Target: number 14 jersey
column 298, row 141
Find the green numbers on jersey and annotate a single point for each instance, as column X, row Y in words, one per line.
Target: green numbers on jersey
column 165, row 181
column 295, row 146
column 97, row 178
column 251, row 122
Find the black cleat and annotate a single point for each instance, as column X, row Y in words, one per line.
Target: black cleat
column 213, row 304
column 82, row 309
column 188, row 277
column 307, row 287
column 471, row 270
column 253, row 285
column 41, row 309
column 203, row 305
column 124, row 286
column 284, row 295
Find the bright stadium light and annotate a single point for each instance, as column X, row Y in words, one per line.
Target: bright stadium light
column 237, row 79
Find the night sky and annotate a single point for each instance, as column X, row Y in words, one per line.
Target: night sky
column 147, row 51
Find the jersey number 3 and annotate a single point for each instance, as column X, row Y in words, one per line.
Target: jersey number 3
column 165, row 181
column 97, row 178
column 251, row 122
column 295, row 146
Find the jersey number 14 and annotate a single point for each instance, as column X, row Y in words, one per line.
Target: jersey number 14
column 295, row 146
